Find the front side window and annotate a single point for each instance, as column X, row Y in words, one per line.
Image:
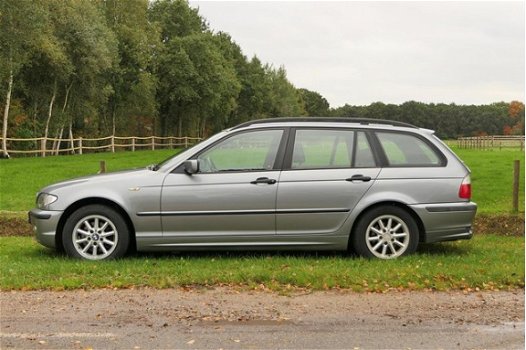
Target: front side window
column 327, row 148
column 407, row 150
column 248, row 151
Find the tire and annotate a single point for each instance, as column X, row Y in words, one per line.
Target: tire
column 95, row 232
column 385, row 232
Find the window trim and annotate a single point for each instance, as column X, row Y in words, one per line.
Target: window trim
column 278, row 162
column 385, row 161
column 287, row 161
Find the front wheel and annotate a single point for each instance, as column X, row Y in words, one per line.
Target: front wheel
column 95, row 232
column 385, row 232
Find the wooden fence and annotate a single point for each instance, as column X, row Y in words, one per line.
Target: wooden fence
column 490, row 142
column 55, row 146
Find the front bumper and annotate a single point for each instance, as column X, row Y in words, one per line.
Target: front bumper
column 45, row 223
column 446, row 221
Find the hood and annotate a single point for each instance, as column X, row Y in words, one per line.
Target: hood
column 94, row 179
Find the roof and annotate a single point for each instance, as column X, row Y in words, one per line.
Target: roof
column 360, row 121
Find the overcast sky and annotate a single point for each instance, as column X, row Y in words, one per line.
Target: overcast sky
column 363, row 52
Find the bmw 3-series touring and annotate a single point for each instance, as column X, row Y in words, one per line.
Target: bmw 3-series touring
column 374, row 187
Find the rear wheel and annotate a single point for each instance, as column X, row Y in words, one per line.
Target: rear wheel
column 95, row 232
column 385, row 232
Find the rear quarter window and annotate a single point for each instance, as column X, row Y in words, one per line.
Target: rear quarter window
column 403, row 149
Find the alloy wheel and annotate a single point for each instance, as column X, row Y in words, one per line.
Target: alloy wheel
column 95, row 237
column 387, row 236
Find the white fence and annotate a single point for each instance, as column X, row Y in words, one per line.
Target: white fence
column 493, row 141
column 55, row 146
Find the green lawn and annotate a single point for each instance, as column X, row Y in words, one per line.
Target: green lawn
column 486, row 262
column 21, row 178
column 492, row 178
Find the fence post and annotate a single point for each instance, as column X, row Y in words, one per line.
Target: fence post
column 133, row 143
column 102, row 166
column 171, row 143
column 186, row 142
column 113, row 143
column 80, row 145
column 516, row 176
column 43, row 146
column 153, row 143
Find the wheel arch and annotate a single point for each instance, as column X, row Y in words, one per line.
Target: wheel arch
column 94, row 200
column 408, row 209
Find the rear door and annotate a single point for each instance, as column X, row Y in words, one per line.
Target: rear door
column 326, row 172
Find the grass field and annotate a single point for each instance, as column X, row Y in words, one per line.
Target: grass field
column 21, row 178
column 492, row 178
column 486, row 262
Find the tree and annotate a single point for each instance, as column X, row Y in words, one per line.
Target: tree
column 195, row 82
column 175, row 19
column 516, row 112
column 90, row 50
column 315, row 104
column 286, row 101
column 132, row 83
column 22, row 24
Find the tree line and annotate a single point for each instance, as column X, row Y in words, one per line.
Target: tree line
column 450, row 121
column 139, row 67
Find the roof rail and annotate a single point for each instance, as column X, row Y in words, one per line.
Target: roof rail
column 362, row 121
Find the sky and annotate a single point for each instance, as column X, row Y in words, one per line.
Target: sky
column 362, row 52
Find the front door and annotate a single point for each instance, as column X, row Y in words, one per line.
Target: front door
column 232, row 196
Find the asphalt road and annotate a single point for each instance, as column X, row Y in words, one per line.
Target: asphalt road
column 231, row 319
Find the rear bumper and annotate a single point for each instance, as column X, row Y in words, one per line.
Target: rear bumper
column 45, row 224
column 446, row 221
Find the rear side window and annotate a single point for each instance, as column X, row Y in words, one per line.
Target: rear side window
column 327, row 148
column 407, row 150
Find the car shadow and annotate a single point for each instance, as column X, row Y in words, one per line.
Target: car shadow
column 431, row 249
column 245, row 254
column 444, row 248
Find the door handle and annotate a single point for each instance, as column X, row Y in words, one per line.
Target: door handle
column 359, row 177
column 263, row 180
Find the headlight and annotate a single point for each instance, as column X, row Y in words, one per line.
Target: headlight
column 45, row 199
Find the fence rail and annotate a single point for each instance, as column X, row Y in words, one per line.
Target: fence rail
column 41, row 145
column 492, row 141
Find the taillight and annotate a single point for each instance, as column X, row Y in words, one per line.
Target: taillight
column 464, row 191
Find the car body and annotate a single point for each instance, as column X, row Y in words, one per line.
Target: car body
column 378, row 188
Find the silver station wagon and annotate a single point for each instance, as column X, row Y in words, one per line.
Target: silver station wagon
column 374, row 187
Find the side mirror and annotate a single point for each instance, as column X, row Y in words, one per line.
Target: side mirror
column 191, row 166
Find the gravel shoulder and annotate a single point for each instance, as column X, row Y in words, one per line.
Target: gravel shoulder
column 230, row 318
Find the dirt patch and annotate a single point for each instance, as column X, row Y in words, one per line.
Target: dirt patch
column 15, row 227
column 507, row 225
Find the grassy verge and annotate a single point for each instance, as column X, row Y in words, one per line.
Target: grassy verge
column 486, row 262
